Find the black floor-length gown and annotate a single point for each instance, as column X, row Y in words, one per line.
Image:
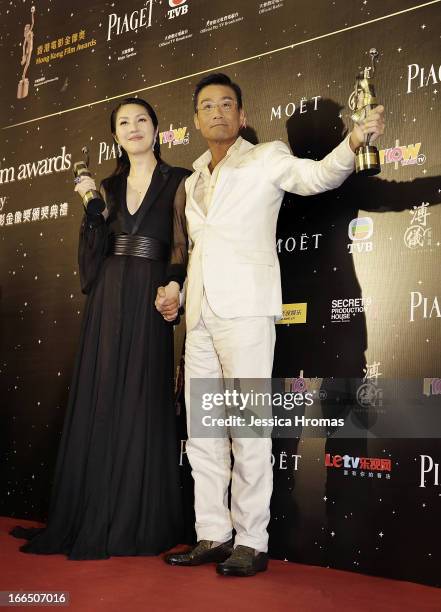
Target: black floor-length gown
column 116, row 488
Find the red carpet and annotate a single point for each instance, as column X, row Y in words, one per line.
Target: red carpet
column 147, row 583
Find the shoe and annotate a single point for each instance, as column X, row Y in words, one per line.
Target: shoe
column 201, row 553
column 243, row 562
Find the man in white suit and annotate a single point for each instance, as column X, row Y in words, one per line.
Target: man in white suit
column 233, row 298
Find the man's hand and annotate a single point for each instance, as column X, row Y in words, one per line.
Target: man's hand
column 373, row 124
column 167, row 301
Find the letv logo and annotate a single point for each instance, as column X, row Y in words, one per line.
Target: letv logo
column 359, row 232
column 178, row 7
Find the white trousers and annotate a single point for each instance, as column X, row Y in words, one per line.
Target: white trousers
column 218, row 348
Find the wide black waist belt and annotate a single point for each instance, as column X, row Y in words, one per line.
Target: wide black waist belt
column 138, row 246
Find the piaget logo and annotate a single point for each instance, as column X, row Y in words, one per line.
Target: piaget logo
column 424, row 307
column 130, row 22
column 293, row 313
column 422, row 76
column 429, row 472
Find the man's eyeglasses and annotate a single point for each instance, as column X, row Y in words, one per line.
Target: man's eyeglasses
column 209, row 107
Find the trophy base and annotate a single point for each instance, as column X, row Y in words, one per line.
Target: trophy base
column 367, row 161
column 23, row 89
column 98, row 203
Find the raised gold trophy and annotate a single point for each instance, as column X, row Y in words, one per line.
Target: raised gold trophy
column 361, row 101
column 80, row 169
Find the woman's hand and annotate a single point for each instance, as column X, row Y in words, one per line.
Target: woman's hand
column 85, row 184
column 167, row 301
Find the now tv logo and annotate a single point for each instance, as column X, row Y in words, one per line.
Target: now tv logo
column 402, row 155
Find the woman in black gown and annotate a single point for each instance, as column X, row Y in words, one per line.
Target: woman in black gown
column 116, row 489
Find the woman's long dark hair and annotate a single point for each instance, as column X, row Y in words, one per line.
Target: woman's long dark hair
column 122, row 161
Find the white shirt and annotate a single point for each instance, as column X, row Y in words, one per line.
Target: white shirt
column 206, row 183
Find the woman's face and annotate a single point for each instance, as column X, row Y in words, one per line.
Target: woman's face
column 134, row 129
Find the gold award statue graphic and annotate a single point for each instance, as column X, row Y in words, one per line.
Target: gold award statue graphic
column 28, row 45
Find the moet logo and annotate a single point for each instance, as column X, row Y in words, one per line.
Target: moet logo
column 179, row 7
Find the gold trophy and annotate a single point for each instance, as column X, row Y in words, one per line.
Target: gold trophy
column 28, row 45
column 361, row 101
column 80, row 169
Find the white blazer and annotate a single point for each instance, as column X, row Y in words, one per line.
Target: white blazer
column 234, row 254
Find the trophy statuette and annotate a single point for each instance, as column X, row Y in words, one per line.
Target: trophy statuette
column 80, row 169
column 27, row 48
column 361, row 101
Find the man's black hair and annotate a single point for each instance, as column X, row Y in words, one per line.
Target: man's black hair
column 217, row 78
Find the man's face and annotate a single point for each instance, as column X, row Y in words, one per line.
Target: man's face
column 218, row 117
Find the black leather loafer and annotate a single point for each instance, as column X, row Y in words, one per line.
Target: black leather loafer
column 201, row 553
column 243, row 562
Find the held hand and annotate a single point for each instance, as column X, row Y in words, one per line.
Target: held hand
column 167, row 301
column 85, row 184
column 373, row 124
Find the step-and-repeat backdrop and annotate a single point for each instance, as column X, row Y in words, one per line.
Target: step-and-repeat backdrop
column 360, row 265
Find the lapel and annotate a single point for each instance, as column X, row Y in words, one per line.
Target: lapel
column 233, row 161
column 193, row 182
column 160, row 178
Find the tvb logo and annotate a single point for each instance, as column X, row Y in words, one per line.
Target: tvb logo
column 178, row 7
column 359, row 232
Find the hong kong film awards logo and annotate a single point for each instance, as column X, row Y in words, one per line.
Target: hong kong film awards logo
column 359, row 232
column 419, row 234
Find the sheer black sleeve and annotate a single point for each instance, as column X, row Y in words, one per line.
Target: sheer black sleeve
column 177, row 266
column 92, row 245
